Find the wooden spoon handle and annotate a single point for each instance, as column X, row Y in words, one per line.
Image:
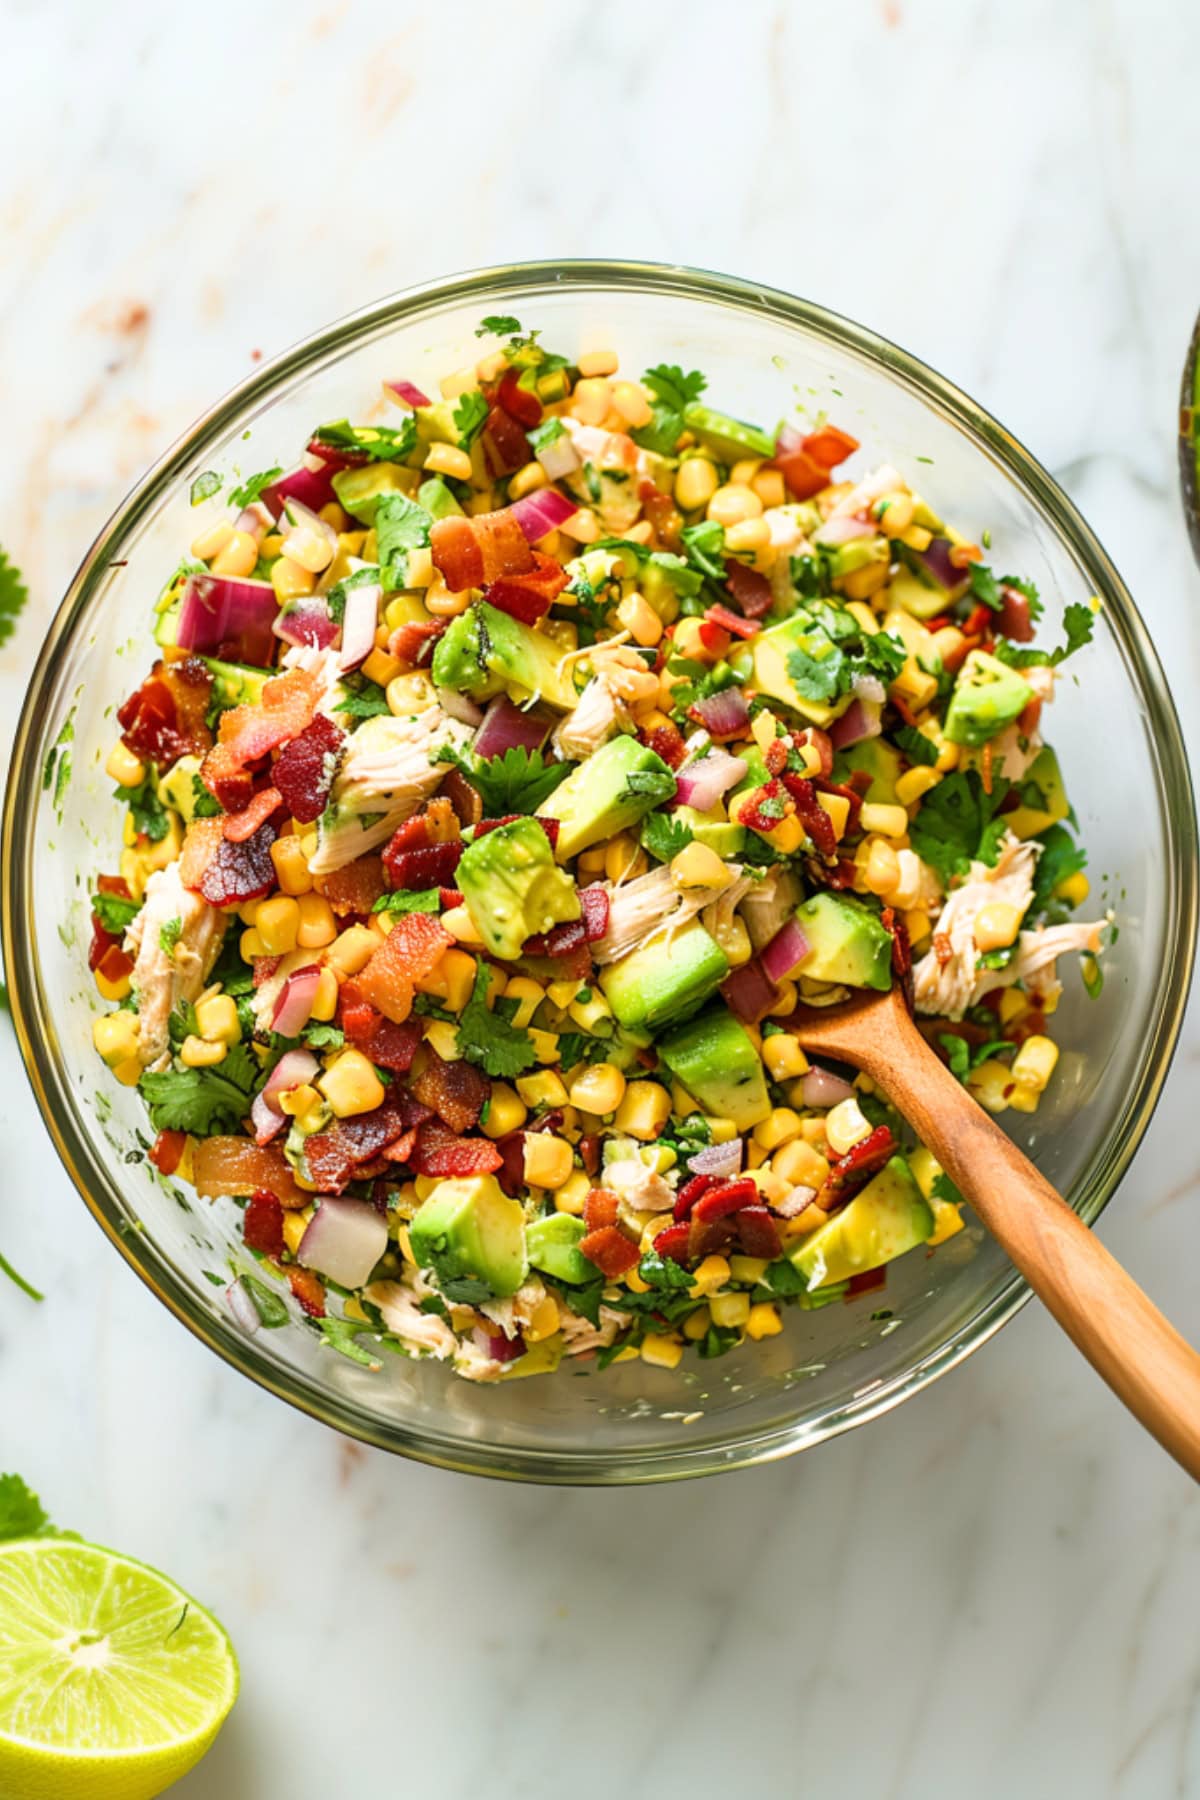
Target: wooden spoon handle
column 1126, row 1339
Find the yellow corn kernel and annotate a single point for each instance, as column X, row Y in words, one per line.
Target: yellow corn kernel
column 748, row 1268
column 662, row 1352
column 290, row 581
column 316, row 925
column 1022, row 1099
column 838, row 809
column 711, row 1275
column 630, row 401
column 696, row 483
column 129, row 1072
column 763, row 1321
column 996, row 925
column 591, row 861
column 326, row 1001
column 755, row 1155
column 448, row 459
column 352, row 950
column 750, row 535
column 772, row 1187
column 600, row 1089
column 594, row 1015
column 597, row 362
column 278, row 923
column 800, row 1164
column 526, row 481
column 123, row 767
column 722, row 1131
column 770, row 487
column 845, row 1126
column 424, row 1185
column 112, row 990
column 915, row 685
column 1075, row 889
column 729, row 1309
column 195, row 1053
column 918, row 925
column 380, row 667
column 583, row 526
column 247, row 912
column 545, row 1044
column 528, row 994
column 733, row 505
column 1035, row 1062
column 783, row 1056
column 699, row 866
column 635, row 614
column 570, row 1197
column 237, row 556
column 544, row 1089
column 217, row 1020
column 506, row 1110
column 116, row 1037
column 543, row 1321
column 457, row 973
column 862, row 614
column 272, row 546
column 351, row 1086
column 888, row 821
column 882, row 869
column 591, row 400
column 788, row 835
column 620, row 856
column 644, row 1110
column 462, row 927
column 697, row 1323
column 548, row 1159
column 561, row 993
column 210, row 543
column 442, row 1037
column 743, row 471
column 733, row 938
column 785, row 1002
column 251, row 945
column 910, row 787
column 295, row 1224
column 291, row 868
column 992, row 1085
column 779, row 1127
column 297, row 1101
column 1012, row 1004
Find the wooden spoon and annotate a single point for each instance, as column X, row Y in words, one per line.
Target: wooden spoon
column 1121, row 1332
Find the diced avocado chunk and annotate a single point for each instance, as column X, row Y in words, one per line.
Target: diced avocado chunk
column 712, row 828
column 612, row 789
column 359, row 490
column 859, row 553
column 756, row 769
column 665, row 979
column 987, row 696
column 887, row 1218
column 485, row 652
column 915, row 596
column 1043, row 778
column 436, row 423
column 730, row 440
column 469, row 1230
column 876, row 758
column 553, row 1247
column 770, row 651
column 714, row 1058
column 176, row 788
column 513, row 888
column 846, row 943
column 437, row 499
column 236, row 684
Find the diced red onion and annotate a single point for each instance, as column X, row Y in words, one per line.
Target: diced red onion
column 558, row 458
column 311, row 487
column 788, row 947
column 718, row 1159
column 542, row 511
column 226, row 615
column 821, row 1087
column 701, row 784
column 344, row 1240
column 306, row 621
column 255, row 519
column 407, row 393
column 358, row 624
column 793, row 1204
column 497, row 1346
column 459, row 707
column 293, row 1008
column 508, row 727
column 935, row 563
column 243, row 1308
column 860, row 720
column 843, row 528
column 724, row 714
column 748, row 993
column 788, row 440
column 267, row 1120
column 293, row 1069
column 869, row 687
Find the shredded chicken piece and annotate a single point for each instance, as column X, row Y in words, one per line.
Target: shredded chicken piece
column 600, row 715
column 651, row 903
column 580, row 1335
column 1037, row 953
column 945, row 985
column 881, row 481
column 163, row 980
column 399, row 1303
column 769, row 903
column 643, row 1189
column 515, row 1312
column 388, row 769
column 474, row 1364
column 325, row 668
column 717, row 916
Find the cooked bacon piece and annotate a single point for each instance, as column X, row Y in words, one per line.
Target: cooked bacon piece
column 765, row 814
column 309, row 1290
column 600, row 1208
column 848, row 793
column 749, row 587
column 475, row 552
column 389, row 1046
column 758, row 1234
column 529, row 597
column 237, row 1166
column 114, row 963
column 333, row 1155
column 812, row 815
column 237, row 827
column 305, row 768
column 457, row 1091
column 689, row 1193
column 164, row 718
column 822, row 743
column 166, row 1152
column 412, row 949
column 710, row 1237
column 589, row 1152
column 416, row 641
column 511, row 1173
column 440, row 1151
column 248, row 733
column 593, row 904
column 902, row 960
column 850, row 1172
column 240, row 871
column 549, row 826
column 463, row 797
column 262, row 1224
column 562, row 940
column 667, row 741
column 673, row 1242
column 611, row 1251
column 355, row 887
column 433, row 866
column 263, row 969
column 662, row 513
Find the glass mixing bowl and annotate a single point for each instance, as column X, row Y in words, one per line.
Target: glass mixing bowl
column 764, row 354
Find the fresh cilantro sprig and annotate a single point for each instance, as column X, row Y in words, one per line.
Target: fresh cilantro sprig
column 202, row 1101
column 1079, row 623
column 919, row 749
column 149, row 814
column 115, row 912
column 487, row 1039
column 400, row 526
column 516, row 782
column 663, row 836
column 499, row 325
column 470, row 416
column 363, row 699
column 988, row 589
column 13, row 596
column 251, row 489
column 957, row 823
column 673, row 390
column 834, row 651
column 1061, row 858
column 377, row 443
column 655, row 784
column 704, row 546
column 962, row 1058
column 204, row 804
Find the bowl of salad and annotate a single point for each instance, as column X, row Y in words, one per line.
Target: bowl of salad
column 453, row 767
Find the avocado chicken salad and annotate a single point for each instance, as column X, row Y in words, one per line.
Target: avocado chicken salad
column 507, row 774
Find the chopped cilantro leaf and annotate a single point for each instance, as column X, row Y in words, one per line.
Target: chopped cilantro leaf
column 962, row 1058
column 957, row 823
column 816, row 667
column 252, row 487
column 516, row 782
column 470, row 415
column 335, row 599
column 342, row 1335
column 378, row 443
column 324, row 1037
column 668, row 383
column 204, row 804
column 271, row 1310
column 202, row 1101
column 944, row 1189
column 500, row 324
column 1078, row 624
column 881, row 654
column 657, row 784
column 400, row 526
column 663, row 1272
column 115, row 912
column 405, row 900
column 663, row 836
column 169, row 935
column 149, row 814
column 364, row 699
column 545, row 434
column 500, row 1049
column 916, row 746
column 1061, row 858
column 985, row 588
column 704, row 545
column 204, row 487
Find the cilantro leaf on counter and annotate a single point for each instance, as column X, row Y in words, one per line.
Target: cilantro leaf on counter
column 13, row 595
column 115, row 912
column 957, row 823
column 516, row 782
column 251, row 489
column 486, row 1038
column 149, row 813
column 202, row 1101
column 1078, row 623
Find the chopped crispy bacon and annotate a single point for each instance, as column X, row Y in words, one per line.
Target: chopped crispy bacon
column 240, row 871
column 415, row 641
column 475, row 552
column 673, row 1241
column 848, row 793
column 757, row 1232
column 815, row 739
column 262, row 1224
column 667, row 741
column 589, row 1152
column 600, row 1208
column 850, row 1172
column 529, row 597
column 764, row 815
column 749, row 587
column 593, row 905
column 562, row 940
column 511, row 1173
column 440, row 1151
column 549, row 826
column 902, row 961
column 725, row 620
column 305, row 768
column 393, row 1046
column 412, row 949
column 264, row 967
column 164, row 718
column 711, row 1237
column 689, row 1193
column 433, row 866
column 334, row 1154
column 166, row 1152
column 725, row 1198
column 463, row 797
column 812, row 815
column 402, row 1149
column 611, row 1251
column 308, row 1289
column 457, row 1091
column 237, row 1166
column 237, row 827
column 248, row 733
column 355, row 887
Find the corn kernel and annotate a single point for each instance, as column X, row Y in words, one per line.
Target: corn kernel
column 210, row 543
column 116, row 1037
column 748, row 1269
column 351, row 1086
column 543, row 1321
column 548, row 1159
column 635, row 614
column 996, row 925
column 770, row 487
column 237, row 556
column 912, row 785
column 1075, row 889
column 779, row 1127
column 217, row 1019
column 784, row 1057
column 325, row 1004
column 751, row 535
column 597, row 362
column 992, row 1085
column 644, row 1110
column 528, row 994
column 506, row 1110
column 763, row 1321
column 734, row 504
column 591, row 400
column 123, row 767
column 448, row 459
column 661, row 1352
column 316, row 926
column 109, row 989
column 699, row 866
column 295, row 1224
column 545, row 1044
column 882, row 869
column 600, row 1089
column 352, row 950
column 772, row 1187
column 573, row 1193
column 918, row 688
column 380, row 667
column 544, row 1089
column 583, row 526
column 526, row 481
column 888, row 821
column 277, row 924
column 620, row 857
column 729, row 1309
column 462, row 927
column 838, row 809
column 1035, row 1062
column 290, row 581
column 845, row 1126
column 630, row 401
column 800, row 1164
column 696, row 483
column 711, row 1275
column 251, row 945
column 1022, row 1099
column 297, row 1101
column 697, row 1323
column 291, row 868
column 195, row 1053
column 456, row 975
column 918, row 925
column 594, row 1015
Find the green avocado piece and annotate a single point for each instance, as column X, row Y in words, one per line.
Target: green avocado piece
column 987, row 696
column 756, row 770
column 553, row 1246
column 236, row 684
column 436, row 423
column 874, row 757
column 915, row 596
column 770, row 651
column 847, row 559
column 485, row 652
column 605, row 794
column 665, row 979
column 1042, row 778
column 729, row 439
column 846, row 943
column 714, row 1058
column 513, row 888
column 884, row 1220
column 713, row 829
column 437, row 499
column 176, row 790
column 359, row 490
column 468, row 1229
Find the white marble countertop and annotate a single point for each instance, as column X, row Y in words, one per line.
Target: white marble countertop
column 992, row 1587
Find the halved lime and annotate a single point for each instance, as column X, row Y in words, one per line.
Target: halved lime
column 113, row 1683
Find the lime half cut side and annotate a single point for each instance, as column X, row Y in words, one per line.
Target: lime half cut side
column 113, row 1683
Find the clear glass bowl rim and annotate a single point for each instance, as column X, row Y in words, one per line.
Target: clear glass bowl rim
column 1114, row 1150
